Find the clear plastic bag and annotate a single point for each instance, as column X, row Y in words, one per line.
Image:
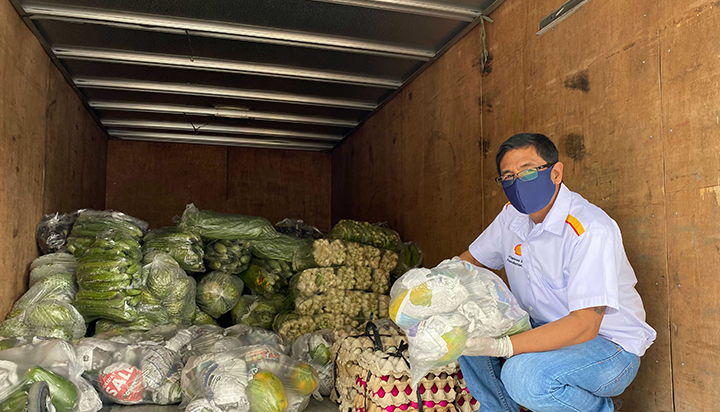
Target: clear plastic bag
column 46, row 318
column 299, row 229
column 409, row 257
column 344, row 302
column 280, row 248
column 292, row 325
column 52, row 264
column 91, row 223
column 326, row 253
column 53, row 230
column 214, row 225
column 314, row 349
column 59, row 287
column 212, row 339
column 253, row 378
column 184, row 246
column 169, row 287
column 53, row 361
column 365, row 233
column 440, row 308
column 231, row 256
column 258, row 311
column 322, row 280
column 218, row 292
column 133, row 374
column 267, row 277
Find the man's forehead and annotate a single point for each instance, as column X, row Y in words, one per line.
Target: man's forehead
column 521, row 157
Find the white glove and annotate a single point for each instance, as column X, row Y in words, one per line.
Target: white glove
column 493, row 347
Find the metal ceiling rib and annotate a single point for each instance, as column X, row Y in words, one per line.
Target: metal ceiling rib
column 291, row 74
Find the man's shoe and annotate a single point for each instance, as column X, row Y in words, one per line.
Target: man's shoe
column 617, row 403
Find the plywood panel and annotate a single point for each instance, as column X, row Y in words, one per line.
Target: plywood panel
column 154, row 181
column 277, row 184
column 40, row 164
column 691, row 92
column 417, row 164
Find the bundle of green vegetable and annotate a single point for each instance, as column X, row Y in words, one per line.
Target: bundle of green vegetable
column 218, row 292
column 202, row 318
column 231, row 256
column 213, row 225
column 258, row 311
column 320, row 280
column 92, row 223
column 51, row 264
column 149, row 317
column 365, row 233
column 267, row 277
column 110, row 278
column 342, row 302
column 183, row 245
column 327, row 253
column 280, row 248
column 169, row 287
column 46, row 308
column 293, row 325
column 410, row 257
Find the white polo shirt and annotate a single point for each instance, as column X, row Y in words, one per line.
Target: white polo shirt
column 573, row 260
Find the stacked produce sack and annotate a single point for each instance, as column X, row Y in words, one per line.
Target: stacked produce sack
column 109, row 272
column 373, row 374
column 46, row 308
column 441, row 308
column 185, row 246
column 23, row 364
column 168, row 296
column 341, row 282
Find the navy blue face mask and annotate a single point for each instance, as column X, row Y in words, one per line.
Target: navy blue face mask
column 530, row 197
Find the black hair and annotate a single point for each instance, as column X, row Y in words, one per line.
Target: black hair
column 545, row 147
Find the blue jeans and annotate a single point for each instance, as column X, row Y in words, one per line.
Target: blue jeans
column 579, row 378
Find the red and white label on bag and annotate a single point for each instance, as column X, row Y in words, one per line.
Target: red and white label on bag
column 124, row 385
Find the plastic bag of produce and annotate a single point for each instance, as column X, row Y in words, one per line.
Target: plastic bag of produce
column 52, row 264
column 440, row 308
column 299, row 229
column 202, row 318
column 149, row 317
column 256, row 310
column 410, row 257
column 47, row 318
column 267, row 277
column 170, row 287
column 218, row 292
column 280, row 248
column 231, row 256
column 59, row 287
column 321, row 280
column 314, row 349
column 53, row 230
column 52, row 361
column 214, row 225
column 133, row 374
column 112, row 305
column 292, row 325
column 365, row 233
column 344, row 302
column 212, row 339
column 184, row 246
column 253, row 378
column 327, row 253
column 91, row 223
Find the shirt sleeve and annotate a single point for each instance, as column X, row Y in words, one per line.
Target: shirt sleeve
column 594, row 270
column 487, row 248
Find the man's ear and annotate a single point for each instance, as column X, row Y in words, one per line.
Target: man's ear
column 557, row 173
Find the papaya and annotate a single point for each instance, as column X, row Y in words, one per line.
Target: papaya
column 303, row 379
column 266, row 393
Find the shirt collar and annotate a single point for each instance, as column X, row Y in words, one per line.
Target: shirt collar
column 554, row 221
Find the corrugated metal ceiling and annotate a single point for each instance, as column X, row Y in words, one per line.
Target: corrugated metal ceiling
column 298, row 74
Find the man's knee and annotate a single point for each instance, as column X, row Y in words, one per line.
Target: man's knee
column 525, row 380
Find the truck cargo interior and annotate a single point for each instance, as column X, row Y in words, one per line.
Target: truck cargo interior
column 389, row 112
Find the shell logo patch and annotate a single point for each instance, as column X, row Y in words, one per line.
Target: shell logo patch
column 518, row 250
